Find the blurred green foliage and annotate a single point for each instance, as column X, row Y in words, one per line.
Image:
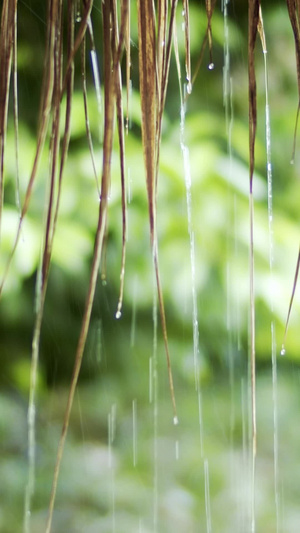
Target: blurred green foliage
column 118, row 351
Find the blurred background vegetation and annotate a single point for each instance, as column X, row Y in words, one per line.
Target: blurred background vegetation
column 115, row 486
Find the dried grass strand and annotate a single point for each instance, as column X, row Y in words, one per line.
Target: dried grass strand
column 112, row 58
column 7, row 52
column 153, row 74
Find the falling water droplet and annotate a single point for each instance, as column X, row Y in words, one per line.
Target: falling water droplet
column 118, row 314
column 189, row 87
column 78, row 17
column 282, row 351
column 175, row 421
column 211, row 66
column 292, row 161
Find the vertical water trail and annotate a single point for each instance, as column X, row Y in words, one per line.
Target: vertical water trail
column 252, row 373
column 237, row 292
column 96, row 75
column 228, row 106
column 29, row 491
column 188, row 183
column 177, row 450
column 253, row 29
column 227, row 102
column 111, row 437
column 133, row 317
column 31, row 414
column 128, row 123
column 140, row 525
column 275, row 426
column 245, row 482
column 154, row 399
column 151, row 379
column 232, row 291
column 250, row 451
column 227, row 85
column 207, row 497
column 271, row 263
column 233, row 313
column 134, row 431
column 99, row 342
